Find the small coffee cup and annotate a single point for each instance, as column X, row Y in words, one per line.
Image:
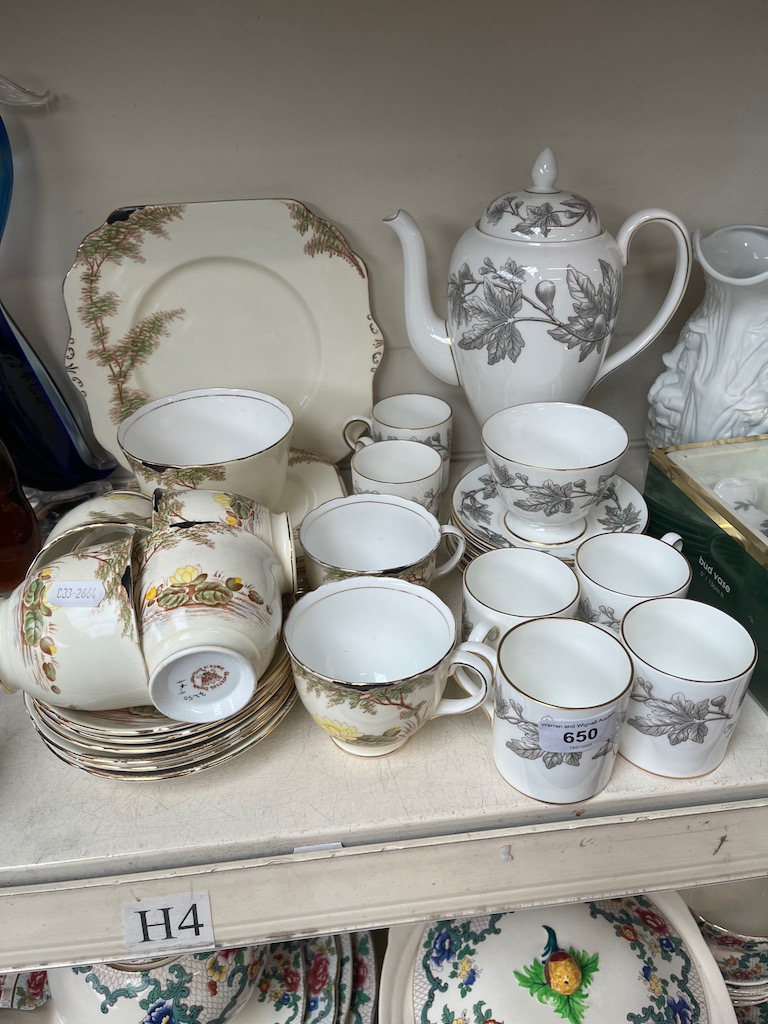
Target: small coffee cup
column 506, row 586
column 692, row 666
column 210, row 613
column 371, row 658
column 211, row 437
column 552, row 462
column 375, row 535
column 405, row 468
column 562, row 688
column 409, row 417
column 618, row 570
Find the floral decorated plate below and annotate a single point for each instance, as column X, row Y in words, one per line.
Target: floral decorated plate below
column 346, row 968
column 280, row 997
column 639, row 958
column 479, row 512
column 321, row 964
column 362, row 1008
column 259, row 294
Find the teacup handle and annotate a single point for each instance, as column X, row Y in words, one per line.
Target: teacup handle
column 482, row 632
column 674, row 540
column 363, row 442
column 455, row 558
column 365, row 421
column 479, row 659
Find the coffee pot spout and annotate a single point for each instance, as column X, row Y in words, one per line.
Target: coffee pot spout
column 427, row 332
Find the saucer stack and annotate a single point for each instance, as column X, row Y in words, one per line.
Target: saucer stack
column 478, row 511
column 140, row 744
column 743, row 963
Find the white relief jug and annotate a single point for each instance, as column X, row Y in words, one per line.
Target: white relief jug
column 715, row 384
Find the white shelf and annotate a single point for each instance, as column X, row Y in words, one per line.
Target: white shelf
column 428, row 831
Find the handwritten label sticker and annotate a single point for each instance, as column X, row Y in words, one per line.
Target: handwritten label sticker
column 180, row 921
column 563, row 736
column 76, row 593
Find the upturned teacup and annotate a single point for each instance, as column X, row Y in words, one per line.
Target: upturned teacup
column 375, row 535
column 210, row 613
column 552, row 462
column 371, row 658
column 211, row 437
column 69, row 632
column 182, row 508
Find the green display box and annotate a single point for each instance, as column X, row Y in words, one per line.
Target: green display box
column 725, row 534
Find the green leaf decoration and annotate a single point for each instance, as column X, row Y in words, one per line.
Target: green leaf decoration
column 112, row 244
column 571, row 1008
column 324, row 238
column 33, row 626
column 173, row 598
column 213, row 593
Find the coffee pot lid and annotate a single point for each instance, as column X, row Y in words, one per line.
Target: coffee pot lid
column 542, row 212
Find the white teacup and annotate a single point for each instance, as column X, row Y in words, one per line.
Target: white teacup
column 211, row 437
column 562, row 688
column 405, row 468
column 552, row 462
column 210, row 613
column 618, row 570
column 375, row 535
column 371, row 658
column 692, row 666
column 409, row 417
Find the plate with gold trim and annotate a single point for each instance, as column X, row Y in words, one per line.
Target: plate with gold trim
column 259, row 293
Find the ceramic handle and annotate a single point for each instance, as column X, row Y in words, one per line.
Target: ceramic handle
column 455, row 558
column 674, row 540
column 365, row 421
column 479, row 659
column 676, row 288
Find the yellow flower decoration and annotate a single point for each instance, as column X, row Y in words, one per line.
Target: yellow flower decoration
column 465, row 966
column 338, row 729
column 223, row 499
column 150, row 595
column 232, row 520
column 655, row 985
column 216, row 969
column 184, row 575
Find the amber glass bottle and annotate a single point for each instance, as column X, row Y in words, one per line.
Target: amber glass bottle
column 20, row 537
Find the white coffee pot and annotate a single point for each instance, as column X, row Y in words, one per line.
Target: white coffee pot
column 533, row 296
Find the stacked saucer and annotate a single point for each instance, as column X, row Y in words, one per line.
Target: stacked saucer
column 743, row 963
column 141, row 744
column 326, row 978
column 478, row 511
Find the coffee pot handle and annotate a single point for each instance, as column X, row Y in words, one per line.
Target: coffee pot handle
column 676, row 289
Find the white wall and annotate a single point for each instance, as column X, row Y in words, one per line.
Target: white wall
column 358, row 108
